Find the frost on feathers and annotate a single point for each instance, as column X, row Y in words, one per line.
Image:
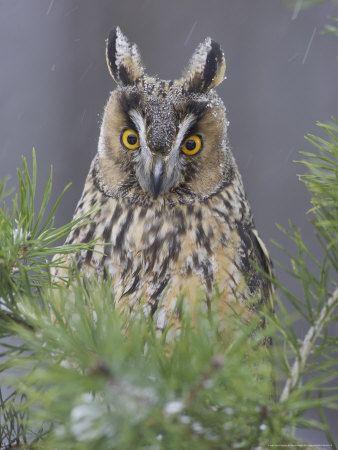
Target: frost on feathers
column 197, row 62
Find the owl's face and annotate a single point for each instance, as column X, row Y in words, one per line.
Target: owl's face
column 164, row 139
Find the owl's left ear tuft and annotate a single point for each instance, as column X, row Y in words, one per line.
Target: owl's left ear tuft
column 123, row 59
column 206, row 68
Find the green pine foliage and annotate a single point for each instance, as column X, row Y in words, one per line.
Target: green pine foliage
column 77, row 372
column 305, row 4
column 297, row 5
column 28, row 237
column 332, row 27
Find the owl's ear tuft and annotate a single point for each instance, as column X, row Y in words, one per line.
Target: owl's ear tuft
column 123, row 59
column 206, row 68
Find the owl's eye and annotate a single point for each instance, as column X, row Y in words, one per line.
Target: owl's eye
column 192, row 145
column 129, row 139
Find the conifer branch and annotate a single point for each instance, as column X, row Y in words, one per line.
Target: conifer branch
column 309, row 340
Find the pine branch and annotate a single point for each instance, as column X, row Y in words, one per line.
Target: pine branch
column 28, row 238
column 309, row 340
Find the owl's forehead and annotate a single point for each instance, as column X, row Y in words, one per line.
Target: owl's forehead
column 163, row 98
column 161, row 122
column 161, row 106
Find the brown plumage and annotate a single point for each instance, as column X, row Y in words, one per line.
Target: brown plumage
column 174, row 214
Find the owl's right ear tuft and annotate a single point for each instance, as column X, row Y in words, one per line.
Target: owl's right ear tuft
column 123, row 59
column 206, row 68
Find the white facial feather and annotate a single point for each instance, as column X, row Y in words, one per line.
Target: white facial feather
column 171, row 159
column 144, row 152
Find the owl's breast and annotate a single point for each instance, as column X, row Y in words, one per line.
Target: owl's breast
column 158, row 254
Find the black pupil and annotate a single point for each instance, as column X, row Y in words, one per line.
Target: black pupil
column 190, row 144
column 132, row 139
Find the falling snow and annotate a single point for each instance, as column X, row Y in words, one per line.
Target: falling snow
column 296, row 10
column 309, row 45
column 190, row 33
column 50, row 7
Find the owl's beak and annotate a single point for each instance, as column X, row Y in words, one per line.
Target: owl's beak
column 156, row 177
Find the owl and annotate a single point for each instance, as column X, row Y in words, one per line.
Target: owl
column 173, row 220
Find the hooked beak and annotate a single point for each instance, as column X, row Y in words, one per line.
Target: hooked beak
column 156, row 177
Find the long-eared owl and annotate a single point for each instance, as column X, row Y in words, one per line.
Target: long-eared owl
column 173, row 213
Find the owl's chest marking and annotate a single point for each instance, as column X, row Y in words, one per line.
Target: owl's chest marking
column 148, row 247
column 157, row 253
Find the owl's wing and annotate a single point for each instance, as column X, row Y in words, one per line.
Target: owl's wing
column 264, row 262
column 253, row 254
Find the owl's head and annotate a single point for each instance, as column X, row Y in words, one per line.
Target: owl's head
column 164, row 139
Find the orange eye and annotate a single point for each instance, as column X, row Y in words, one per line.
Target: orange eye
column 129, row 139
column 192, row 145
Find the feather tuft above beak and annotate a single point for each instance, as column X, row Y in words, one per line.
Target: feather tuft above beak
column 157, row 177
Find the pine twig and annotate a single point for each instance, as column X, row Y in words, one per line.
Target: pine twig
column 306, row 347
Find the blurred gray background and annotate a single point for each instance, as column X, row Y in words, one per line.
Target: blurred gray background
column 282, row 77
